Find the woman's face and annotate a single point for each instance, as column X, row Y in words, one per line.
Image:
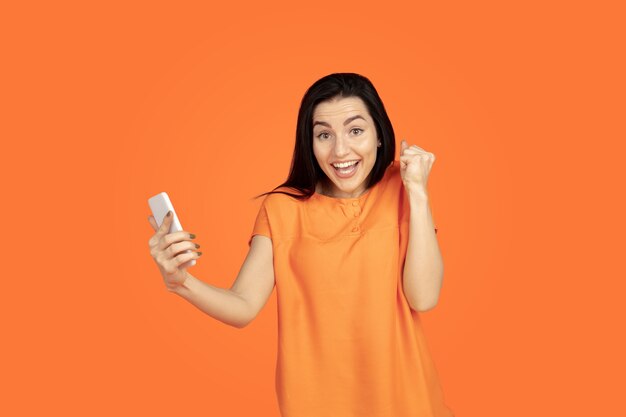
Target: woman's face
column 343, row 131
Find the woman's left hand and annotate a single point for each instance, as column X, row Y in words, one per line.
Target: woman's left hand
column 415, row 165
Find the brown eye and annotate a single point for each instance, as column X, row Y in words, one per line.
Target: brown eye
column 356, row 128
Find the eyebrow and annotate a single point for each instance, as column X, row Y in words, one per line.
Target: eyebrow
column 348, row 120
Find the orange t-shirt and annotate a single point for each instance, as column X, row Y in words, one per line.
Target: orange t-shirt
column 349, row 345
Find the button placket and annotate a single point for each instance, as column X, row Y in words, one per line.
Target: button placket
column 357, row 212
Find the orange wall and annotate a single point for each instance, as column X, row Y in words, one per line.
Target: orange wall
column 105, row 106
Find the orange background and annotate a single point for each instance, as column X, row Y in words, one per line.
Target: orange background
column 104, row 106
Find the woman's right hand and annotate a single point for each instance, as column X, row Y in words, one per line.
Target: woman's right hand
column 168, row 251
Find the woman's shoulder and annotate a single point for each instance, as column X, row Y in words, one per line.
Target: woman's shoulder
column 282, row 196
column 392, row 182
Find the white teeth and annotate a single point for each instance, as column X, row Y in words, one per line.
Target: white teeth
column 345, row 164
column 347, row 170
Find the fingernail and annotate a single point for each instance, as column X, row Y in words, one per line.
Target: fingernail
column 199, row 253
column 192, row 236
column 197, row 246
column 169, row 212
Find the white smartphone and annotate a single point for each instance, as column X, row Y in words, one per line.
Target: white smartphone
column 160, row 204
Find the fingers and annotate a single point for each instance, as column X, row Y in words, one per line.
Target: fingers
column 161, row 231
column 172, row 264
column 167, row 221
column 405, row 148
column 174, row 237
column 407, row 152
column 153, row 223
column 171, row 245
column 162, row 236
column 180, row 247
column 424, row 156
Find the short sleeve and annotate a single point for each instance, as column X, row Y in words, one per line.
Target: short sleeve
column 261, row 224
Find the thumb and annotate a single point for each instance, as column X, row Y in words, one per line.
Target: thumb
column 167, row 221
column 153, row 223
column 403, row 146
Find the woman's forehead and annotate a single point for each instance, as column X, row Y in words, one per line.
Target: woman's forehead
column 340, row 109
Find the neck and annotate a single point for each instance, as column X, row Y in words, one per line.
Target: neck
column 323, row 188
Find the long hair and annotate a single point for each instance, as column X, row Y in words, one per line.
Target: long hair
column 305, row 172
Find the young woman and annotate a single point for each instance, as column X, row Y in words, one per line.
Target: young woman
column 350, row 244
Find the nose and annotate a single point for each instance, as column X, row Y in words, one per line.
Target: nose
column 341, row 147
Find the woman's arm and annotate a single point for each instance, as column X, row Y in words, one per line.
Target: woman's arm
column 219, row 303
column 423, row 268
column 240, row 304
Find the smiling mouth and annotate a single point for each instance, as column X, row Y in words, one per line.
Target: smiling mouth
column 347, row 170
